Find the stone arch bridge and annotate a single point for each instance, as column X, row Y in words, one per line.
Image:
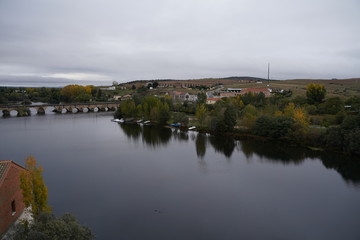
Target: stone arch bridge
column 24, row 110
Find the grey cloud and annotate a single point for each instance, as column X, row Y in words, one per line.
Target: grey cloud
column 140, row 39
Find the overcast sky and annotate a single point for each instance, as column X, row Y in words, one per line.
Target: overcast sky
column 54, row 42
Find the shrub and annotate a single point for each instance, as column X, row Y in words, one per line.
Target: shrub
column 272, row 126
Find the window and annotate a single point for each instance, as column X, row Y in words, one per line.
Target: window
column 13, row 207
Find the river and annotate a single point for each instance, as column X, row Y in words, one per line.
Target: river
column 127, row 181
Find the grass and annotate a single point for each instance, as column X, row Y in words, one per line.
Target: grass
column 335, row 88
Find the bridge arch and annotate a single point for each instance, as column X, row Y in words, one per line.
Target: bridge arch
column 5, row 113
column 41, row 111
column 13, row 112
column 74, row 110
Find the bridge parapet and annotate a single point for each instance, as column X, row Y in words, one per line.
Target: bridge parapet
column 81, row 107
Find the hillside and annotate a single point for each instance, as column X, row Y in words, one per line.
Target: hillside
column 336, row 87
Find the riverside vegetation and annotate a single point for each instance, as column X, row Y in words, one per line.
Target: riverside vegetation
column 311, row 120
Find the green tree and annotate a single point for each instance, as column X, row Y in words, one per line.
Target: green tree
column 47, row 227
column 127, row 109
column 354, row 102
column 201, row 114
column 181, row 118
column 315, row 93
column 272, row 126
column 230, row 118
column 34, row 191
column 201, row 98
column 331, row 106
column 352, row 141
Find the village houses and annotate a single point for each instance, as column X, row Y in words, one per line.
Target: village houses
column 183, row 96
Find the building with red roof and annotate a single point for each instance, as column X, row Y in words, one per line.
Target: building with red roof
column 265, row 91
column 11, row 198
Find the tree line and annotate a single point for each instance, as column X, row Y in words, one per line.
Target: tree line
column 312, row 120
column 68, row 94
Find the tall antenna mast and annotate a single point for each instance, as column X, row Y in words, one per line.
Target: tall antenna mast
column 268, row 74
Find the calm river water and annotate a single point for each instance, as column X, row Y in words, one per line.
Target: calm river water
column 142, row 182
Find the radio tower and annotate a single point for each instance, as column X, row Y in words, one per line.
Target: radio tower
column 268, row 74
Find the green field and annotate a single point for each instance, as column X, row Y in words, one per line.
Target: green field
column 342, row 88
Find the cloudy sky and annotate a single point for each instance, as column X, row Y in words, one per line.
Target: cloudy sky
column 56, row 42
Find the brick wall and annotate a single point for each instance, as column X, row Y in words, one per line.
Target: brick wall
column 10, row 191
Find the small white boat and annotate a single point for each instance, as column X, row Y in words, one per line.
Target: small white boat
column 118, row 120
column 191, row 128
column 146, row 122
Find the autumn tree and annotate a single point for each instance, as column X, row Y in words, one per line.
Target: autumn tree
column 248, row 116
column 315, row 93
column 298, row 114
column 34, row 191
column 71, row 93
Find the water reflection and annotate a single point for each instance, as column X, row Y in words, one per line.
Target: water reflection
column 276, row 152
column 200, row 143
column 223, row 144
column 268, row 151
column 273, row 151
column 349, row 169
column 133, row 131
column 153, row 136
column 180, row 135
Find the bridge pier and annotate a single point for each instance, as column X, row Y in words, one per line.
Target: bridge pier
column 6, row 113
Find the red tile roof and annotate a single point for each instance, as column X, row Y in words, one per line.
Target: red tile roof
column 4, row 168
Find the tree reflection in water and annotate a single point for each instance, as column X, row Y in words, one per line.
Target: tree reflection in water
column 267, row 151
column 278, row 152
column 132, row 131
column 200, row 143
column 223, row 144
column 153, row 136
column 180, row 135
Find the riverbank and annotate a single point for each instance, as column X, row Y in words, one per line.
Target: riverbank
column 239, row 135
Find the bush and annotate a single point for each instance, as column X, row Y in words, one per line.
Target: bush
column 48, row 227
column 272, row 126
column 352, row 141
column 181, row 118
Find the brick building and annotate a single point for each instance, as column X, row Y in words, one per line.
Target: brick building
column 11, row 199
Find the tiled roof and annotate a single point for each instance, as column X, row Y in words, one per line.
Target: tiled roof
column 3, row 167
